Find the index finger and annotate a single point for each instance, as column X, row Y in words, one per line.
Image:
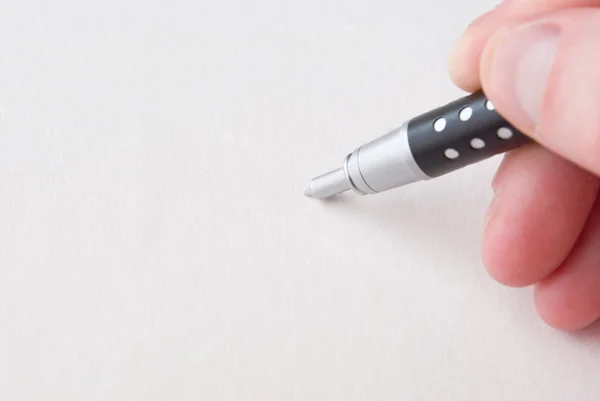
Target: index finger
column 465, row 57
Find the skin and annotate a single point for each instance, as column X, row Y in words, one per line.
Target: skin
column 539, row 63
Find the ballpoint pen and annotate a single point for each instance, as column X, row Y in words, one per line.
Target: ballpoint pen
column 464, row 132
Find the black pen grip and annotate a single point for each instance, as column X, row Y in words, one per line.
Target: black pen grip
column 459, row 134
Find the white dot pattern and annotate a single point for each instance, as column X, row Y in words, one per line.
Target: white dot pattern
column 466, row 114
column 451, row 154
column 477, row 143
column 505, row 133
column 440, row 124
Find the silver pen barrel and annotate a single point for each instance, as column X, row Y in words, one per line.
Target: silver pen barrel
column 377, row 166
column 464, row 132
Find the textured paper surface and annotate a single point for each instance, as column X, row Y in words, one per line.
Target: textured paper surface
column 155, row 243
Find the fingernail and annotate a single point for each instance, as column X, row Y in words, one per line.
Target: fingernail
column 495, row 183
column 521, row 65
column 491, row 211
column 498, row 176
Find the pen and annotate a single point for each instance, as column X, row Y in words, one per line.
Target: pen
column 462, row 133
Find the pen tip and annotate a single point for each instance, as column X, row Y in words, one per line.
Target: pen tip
column 308, row 192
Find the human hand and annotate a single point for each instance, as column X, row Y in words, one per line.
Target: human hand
column 539, row 63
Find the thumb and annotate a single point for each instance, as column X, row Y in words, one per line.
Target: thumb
column 544, row 77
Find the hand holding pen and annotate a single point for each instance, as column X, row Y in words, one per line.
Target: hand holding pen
column 539, row 62
column 534, row 68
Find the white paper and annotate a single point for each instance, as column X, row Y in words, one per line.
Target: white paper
column 155, row 243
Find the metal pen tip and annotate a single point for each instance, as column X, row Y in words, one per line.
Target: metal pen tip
column 327, row 185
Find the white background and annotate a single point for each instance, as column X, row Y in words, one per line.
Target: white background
column 155, row 243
